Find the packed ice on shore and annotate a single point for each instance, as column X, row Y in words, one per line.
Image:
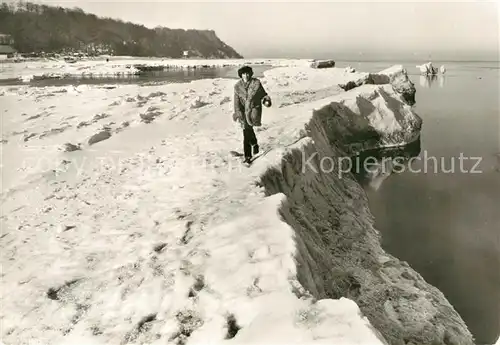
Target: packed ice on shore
column 120, row 66
column 156, row 234
column 254, row 287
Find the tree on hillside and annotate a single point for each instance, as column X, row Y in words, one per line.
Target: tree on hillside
column 42, row 28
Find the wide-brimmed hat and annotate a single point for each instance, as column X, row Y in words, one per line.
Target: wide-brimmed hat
column 245, row 69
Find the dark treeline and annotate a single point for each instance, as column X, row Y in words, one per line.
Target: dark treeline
column 41, row 28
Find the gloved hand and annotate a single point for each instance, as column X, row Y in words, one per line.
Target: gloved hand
column 266, row 101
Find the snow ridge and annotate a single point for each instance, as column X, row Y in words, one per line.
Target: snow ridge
column 155, row 234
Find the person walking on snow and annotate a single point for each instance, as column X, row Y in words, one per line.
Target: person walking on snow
column 249, row 95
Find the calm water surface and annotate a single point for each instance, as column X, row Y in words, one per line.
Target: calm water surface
column 146, row 78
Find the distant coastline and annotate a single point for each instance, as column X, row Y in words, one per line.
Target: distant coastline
column 39, row 30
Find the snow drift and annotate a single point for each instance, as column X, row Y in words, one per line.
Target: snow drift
column 178, row 243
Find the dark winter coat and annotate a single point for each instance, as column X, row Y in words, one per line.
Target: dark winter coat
column 248, row 102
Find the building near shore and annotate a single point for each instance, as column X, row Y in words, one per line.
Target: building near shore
column 6, row 39
column 6, row 50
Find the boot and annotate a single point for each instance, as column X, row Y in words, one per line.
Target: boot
column 255, row 149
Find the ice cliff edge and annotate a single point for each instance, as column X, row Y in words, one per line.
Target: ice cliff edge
column 193, row 248
column 338, row 248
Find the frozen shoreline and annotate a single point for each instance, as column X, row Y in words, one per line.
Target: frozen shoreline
column 121, row 66
column 194, row 244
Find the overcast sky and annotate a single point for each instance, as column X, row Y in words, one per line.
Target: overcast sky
column 322, row 29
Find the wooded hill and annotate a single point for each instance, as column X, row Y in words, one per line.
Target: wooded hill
column 39, row 28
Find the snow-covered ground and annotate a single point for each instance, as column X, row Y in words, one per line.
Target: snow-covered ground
column 119, row 66
column 158, row 234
